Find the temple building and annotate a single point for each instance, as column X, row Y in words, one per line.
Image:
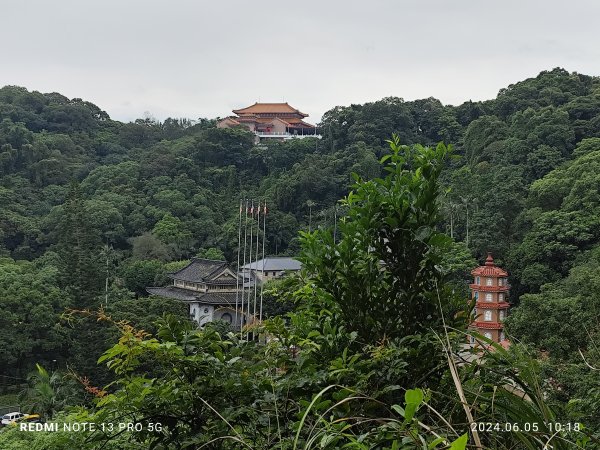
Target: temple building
column 271, row 121
column 210, row 288
column 490, row 293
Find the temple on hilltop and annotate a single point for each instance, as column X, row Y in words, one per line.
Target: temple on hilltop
column 211, row 290
column 490, row 293
column 271, row 121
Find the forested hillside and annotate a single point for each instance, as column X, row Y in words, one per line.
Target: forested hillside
column 85, row 199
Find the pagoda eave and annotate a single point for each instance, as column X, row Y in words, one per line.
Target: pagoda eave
column 488, row 325
column 489, row 288
column 489, row 272
column 492, row 305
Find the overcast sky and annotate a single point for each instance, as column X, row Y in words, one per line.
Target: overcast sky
column 195, row 58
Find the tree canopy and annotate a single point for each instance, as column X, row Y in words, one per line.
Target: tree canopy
column 93, row 210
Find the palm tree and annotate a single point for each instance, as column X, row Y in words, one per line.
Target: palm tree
column 450, row 210
column 466, row 201
column 47, row 393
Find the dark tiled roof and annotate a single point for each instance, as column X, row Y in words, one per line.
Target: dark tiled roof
column 172, row 292
column 209, row 298
column 275, row 263
column 217, row 298
column 199, row 270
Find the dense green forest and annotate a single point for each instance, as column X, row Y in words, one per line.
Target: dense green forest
column 85, row 199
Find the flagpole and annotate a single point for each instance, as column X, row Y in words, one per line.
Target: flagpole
column 243, row 275
column 256, row 268
column 250, row 262
column 263, row 258
column 237, row 277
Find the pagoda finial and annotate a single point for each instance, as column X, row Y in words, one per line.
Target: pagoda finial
column 489, row 260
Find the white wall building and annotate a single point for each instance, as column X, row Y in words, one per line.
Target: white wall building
column 210, row 288
column 272, row 267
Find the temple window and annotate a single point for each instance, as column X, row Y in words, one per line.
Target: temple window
column 500, row 281
column 488, row 297
column 502, row 336
column 476, row 295
column 502, row 314
column 477, row 280
column 487, row 316
column 488, row 282
column 488, row 335
column 500, row 297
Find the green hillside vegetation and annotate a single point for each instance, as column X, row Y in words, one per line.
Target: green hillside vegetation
column 85, row 198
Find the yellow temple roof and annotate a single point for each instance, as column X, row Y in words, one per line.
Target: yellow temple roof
column 269, row 108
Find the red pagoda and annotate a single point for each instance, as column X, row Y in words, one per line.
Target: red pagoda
column 490, row 292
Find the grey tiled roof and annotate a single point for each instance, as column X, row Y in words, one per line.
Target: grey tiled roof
column 199, row 270
column 216, row 298
column 275, row 263
column 209, row 298
column 172, row 292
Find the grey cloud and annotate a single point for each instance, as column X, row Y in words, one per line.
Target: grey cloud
column 202, row 58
